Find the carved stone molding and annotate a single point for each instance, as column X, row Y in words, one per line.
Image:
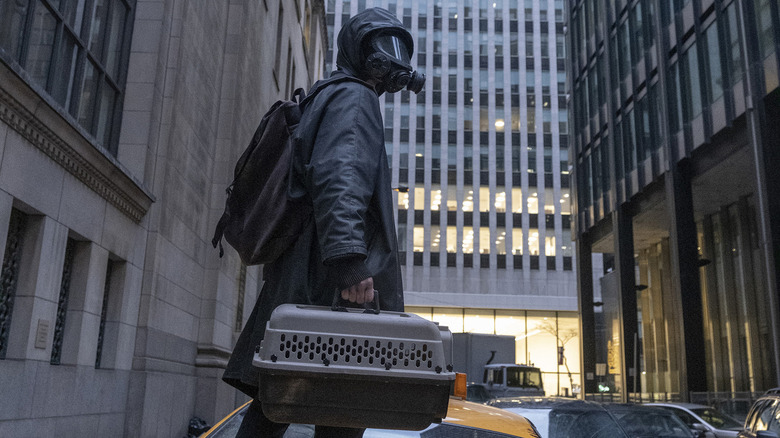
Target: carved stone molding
column 212, row 356
column 83, row 160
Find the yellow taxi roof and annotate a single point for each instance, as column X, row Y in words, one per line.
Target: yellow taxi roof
column 463, row 413
column 487, row 417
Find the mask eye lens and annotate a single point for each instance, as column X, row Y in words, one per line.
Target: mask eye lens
column 393, row 46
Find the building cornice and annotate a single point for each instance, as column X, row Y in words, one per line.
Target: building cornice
column 29, row 114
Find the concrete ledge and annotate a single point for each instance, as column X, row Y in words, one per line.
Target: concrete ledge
column 491, row 301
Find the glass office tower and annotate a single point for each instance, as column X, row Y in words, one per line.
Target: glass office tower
column 675, row 109
column 481, row 177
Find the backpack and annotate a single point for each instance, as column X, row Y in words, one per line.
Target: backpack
column 261, row 220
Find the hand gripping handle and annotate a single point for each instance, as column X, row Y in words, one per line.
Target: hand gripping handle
column 339, row 307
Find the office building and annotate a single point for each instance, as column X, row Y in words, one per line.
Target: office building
column 482, row 179
column 675, row 108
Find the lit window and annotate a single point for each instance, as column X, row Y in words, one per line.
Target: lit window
column 418, row 238
column 517, row 241
column 501, row 202
column 549, row 245
column 533, row 241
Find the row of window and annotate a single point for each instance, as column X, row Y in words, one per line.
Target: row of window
column 484, row 200
column 308, row 31
column 76, row 52
column 21, row 236
column 469, row 241
column 450, row 260
column 451, row 8
column 702, row 66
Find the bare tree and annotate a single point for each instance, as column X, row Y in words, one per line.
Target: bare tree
column 562, row 336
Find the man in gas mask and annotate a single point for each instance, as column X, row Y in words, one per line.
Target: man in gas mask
column 349, row 246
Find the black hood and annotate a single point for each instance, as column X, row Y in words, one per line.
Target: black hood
column 356, row 31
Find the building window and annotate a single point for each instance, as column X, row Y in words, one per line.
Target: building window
column 241, row 294
column 675, row 99
column 712, row 65
column 690, row 75
column 735, row 48
column 279, row 33
column 62, row 303
column 765, row 28
column 104, row 314
column 10, row 274
column 76, row 52
column 533, row 241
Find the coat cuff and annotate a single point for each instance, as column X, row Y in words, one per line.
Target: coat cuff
column 347, row 270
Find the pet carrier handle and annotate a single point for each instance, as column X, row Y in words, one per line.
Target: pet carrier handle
column 338, row 307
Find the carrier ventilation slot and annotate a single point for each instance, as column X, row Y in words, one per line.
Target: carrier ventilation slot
column 356, row 352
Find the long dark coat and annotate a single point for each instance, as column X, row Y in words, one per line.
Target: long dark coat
column 340, row 164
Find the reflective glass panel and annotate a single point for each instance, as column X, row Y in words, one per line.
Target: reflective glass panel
column 41, row 43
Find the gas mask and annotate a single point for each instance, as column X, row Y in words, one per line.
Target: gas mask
column 388, row 63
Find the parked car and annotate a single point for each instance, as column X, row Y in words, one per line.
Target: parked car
column 708, row 420
column 567, row 418
column 464, row 419
column 477, row 393
column 644, row 421
column 763, row 419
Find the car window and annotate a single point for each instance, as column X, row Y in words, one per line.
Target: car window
column 641, row 423
column 766, row 415
column 774, row 422
column 514, row 377
column 686, row 418
column 583, row 424
column 750, row 420
column 717, row 419
column 533, row 379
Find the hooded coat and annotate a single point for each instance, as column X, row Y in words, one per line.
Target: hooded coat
column 340, row 165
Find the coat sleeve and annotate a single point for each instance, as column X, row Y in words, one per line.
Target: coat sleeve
column 341, row 173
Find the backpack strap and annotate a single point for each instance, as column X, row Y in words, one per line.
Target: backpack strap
column 319, row 85
column 299, row 95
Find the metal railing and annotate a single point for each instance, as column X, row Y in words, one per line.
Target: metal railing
column 635, row 397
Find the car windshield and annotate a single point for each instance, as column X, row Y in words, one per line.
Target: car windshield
column 717, row 419
column 571, row 419
column 649, row 422
column 521, row 378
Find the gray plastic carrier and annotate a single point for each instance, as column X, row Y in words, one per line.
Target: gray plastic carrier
column 353, row 369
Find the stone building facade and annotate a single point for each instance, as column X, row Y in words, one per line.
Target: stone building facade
column 121, row 121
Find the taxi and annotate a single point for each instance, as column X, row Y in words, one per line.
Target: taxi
column 464, row 418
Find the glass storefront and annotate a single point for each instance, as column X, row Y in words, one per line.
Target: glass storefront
column 737, row 330
column 546, row 339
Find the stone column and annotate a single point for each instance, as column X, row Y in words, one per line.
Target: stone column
column 85, row 300
column 623, row 231
column 685, row 279
column 37, row 292
column 587, row 318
